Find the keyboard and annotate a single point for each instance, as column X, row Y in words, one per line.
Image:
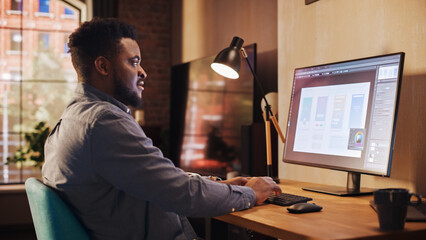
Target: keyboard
column 286, row 199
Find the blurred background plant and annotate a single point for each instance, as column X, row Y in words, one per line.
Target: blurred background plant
column 32, row 153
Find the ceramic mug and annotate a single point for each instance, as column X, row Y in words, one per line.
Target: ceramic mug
column 392, row 204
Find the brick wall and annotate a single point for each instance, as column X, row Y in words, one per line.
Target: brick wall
column 152, row 19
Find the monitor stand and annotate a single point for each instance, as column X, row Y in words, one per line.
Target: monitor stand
column 352, row 188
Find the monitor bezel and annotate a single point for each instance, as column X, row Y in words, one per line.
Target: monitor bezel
column 392, row 143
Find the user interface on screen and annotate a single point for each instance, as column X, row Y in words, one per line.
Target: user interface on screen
column 343, row 115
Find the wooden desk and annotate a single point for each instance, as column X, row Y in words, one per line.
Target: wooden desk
column 341, row 218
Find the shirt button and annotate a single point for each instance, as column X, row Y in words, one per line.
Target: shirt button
column 233, row 209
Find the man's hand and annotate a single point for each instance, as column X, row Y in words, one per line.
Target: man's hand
column 241, row 181
column 263, row 187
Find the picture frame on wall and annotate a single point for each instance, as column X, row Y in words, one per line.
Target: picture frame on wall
column 307, row 2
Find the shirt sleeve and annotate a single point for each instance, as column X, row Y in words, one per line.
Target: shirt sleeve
column 123, row 156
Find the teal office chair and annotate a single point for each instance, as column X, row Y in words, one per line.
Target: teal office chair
column 52, row 217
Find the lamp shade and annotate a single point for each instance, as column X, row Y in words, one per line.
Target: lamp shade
column 227, row 63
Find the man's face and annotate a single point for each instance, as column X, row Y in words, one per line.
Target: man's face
column 128, row 74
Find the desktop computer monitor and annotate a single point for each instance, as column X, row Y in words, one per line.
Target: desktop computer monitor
column 343, row 116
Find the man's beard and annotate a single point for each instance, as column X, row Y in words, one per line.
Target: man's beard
column 124, row 94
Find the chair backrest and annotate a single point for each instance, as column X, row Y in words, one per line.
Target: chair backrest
column 51, row 215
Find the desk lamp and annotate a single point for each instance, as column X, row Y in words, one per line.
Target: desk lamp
column 227, row 63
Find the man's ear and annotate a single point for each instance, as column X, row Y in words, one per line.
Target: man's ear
column 102, row 65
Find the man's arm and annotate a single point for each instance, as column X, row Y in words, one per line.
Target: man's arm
column 124, row 157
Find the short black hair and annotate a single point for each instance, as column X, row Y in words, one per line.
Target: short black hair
column 98, row 37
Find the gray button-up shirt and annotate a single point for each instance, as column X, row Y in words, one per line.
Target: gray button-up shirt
column 118, row 184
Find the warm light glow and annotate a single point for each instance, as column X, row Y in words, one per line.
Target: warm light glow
column 224, row 70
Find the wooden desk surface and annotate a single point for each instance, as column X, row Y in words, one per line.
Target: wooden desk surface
column 340, row 218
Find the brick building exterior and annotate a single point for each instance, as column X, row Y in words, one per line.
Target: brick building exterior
column 31, row 27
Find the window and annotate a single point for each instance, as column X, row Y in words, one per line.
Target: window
column 43, row 6
column 68, row 11
column 37, row 79
column 15, row 75
column 43, row 42
column 66, row 38
column 16, row 5
column 15, row 40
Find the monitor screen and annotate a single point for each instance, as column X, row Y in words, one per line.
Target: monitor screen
column 343, row 115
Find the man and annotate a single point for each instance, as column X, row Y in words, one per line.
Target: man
column 100, row 161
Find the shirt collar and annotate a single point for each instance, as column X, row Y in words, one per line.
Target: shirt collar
column 89, row 91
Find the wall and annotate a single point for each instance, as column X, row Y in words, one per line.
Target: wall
column 203, row 28
column 333, row 30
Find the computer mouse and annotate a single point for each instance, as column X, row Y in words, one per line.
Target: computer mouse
column 304, row 208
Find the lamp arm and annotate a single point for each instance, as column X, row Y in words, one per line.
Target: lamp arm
column 271, row 114
column 244, row 54
column 277, row 127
